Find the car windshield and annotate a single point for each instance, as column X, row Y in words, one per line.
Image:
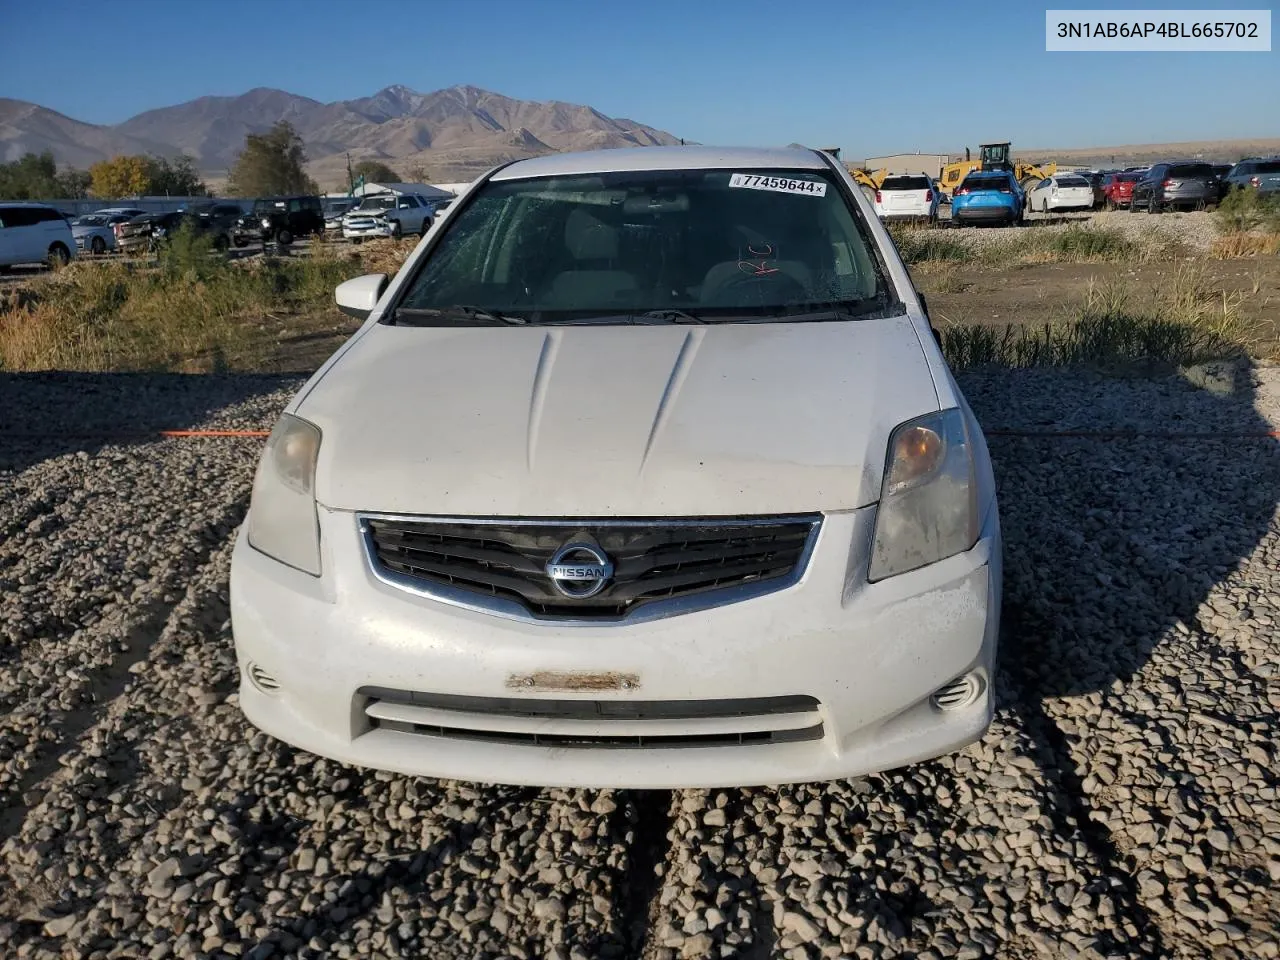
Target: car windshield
column 377, row 203
column 906, row 183
column 1072, row 182
column 336, row 206
column 1267, row 166
column 1191, row 170
column 90, row 221
column 267, row 206
column 682, row 245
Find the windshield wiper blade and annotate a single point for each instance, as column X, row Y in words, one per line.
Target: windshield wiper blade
column 849, row 310
column 411, row 315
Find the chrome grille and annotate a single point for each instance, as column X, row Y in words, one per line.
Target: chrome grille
column 501, row 565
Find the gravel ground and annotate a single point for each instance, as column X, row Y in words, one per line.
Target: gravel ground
column 1195, row 230
column 1124, row 803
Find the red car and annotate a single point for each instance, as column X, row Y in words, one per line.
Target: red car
column 1118, row 188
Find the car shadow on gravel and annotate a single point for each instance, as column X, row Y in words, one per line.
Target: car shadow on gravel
column 47, row 415
column 1113, row 544
column 1023, row 844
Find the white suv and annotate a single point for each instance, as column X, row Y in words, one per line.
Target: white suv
column 34, row 233
column 911, row 195
column 646, row 448
column 388, row 215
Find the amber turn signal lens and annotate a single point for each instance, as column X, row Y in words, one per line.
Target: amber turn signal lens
column 919, row 451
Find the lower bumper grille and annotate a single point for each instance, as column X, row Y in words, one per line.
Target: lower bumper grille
column 596, row 724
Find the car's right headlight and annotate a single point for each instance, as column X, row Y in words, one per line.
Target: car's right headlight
column 928, row 499
column 282, row 513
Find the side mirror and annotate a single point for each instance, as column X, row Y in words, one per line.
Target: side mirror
column 357, row 298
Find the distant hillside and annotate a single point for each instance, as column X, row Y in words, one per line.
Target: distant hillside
column 450, row 132
column 1214, row 151
column 28, row 128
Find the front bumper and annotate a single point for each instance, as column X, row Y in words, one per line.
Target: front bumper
column 367, row 230
column 871, row 655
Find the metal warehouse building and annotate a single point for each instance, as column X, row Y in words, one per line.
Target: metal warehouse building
column 930, row 163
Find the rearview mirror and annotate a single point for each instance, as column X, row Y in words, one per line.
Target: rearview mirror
column 357, row 298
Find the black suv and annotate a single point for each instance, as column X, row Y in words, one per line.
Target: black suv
column 280, row 219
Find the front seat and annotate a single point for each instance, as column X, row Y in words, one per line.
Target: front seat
column 593, row 280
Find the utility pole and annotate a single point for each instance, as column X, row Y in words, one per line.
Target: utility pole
column 351, row 183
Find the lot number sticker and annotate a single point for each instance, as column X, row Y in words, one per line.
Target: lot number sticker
column 811, row 188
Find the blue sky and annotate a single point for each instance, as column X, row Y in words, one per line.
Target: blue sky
column 869, row 77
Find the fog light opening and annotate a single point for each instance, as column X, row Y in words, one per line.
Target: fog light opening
column 959, row 693
column 264, row 681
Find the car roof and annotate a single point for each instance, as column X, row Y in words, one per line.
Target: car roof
column 662, row 158
column 27, row 203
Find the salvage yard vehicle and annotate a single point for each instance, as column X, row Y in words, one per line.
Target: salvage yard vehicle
column 280, row 220
column 1061, row 193
column 147, row 231
column 96, row 232
column 1262, row 175
column 34, row 233
column 993, row 197
column 388, row 215
column 706, row 491
column 334, row 209
column 1188, row 184
column 907, row 195
column 1118, row 188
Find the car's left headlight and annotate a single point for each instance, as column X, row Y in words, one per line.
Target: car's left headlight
column 266, row 223
column 928, row 499
column 282, row 511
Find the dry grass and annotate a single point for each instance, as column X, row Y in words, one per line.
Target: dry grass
column 1242, row 243
column 1034, row 245
column 189, row 312
column 1190, row 322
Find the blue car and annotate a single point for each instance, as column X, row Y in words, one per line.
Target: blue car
column 988, row 196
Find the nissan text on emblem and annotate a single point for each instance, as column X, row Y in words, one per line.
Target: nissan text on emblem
column 579, row 570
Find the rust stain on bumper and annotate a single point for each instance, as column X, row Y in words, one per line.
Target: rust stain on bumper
column 550, row 680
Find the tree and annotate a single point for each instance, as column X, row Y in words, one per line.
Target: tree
column 374, row 171
column 176, row 178
column 138, row 175
column 417, row 173
column 271, row 163
column 73, row 184
column 120, row 177
column 31, row 177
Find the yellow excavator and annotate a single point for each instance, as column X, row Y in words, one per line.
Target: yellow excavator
column 994, row 156
column 868, row 180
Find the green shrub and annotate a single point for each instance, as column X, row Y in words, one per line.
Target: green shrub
column 1247, row 209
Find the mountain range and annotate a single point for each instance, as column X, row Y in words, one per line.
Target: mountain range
column 455, row 132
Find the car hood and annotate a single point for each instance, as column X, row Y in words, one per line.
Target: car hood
column 381, row 211
column 616, row 421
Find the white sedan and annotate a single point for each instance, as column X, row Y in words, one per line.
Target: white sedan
column 645, row 470
column 1061, row 193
